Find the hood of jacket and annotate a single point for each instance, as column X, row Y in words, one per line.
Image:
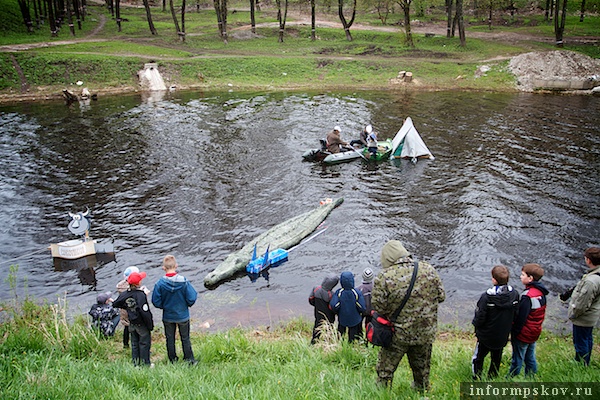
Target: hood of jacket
column 347, row 280
column 173, row 283
column 324, row 292
column 392, row 252
column 501, row 296
column 539, row 286
column 330, row 281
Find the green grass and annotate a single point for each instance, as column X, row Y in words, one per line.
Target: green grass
column 44, row 356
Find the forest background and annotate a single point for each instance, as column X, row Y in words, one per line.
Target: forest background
column 271, row 49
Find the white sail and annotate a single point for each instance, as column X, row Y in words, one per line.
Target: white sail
column 408, row 143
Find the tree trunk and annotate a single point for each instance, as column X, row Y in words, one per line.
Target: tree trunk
column 26, row 15
column 77, row 10
column 559, row 22
column 582, row 11
column 461, row 23
column 405, row 4
column 490, row 16
column 111, row 8
column 345, row 23
column 313, row 30
column 221, row 10
column 51, row 18
column 118, row 14
column 175, row 21
column 182, row 36
column 281, row 17
column 449, row 17
column 69, row 6
column 252, row 16
column 149, row 17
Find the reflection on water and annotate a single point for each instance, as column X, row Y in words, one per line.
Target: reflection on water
column 514, row 181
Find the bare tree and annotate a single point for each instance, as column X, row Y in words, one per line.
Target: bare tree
column 559, row 21
column 221, row 9
column 149, row 17
column 52, row 18
column 26, row 15
column 461, row 23
column 118, row 14
column 313, row 23
column 346, row 24
column 449, row 19
column 281, row 17
column 180, row 32
column 253, row 16
column 405, row 5
column 69, row 6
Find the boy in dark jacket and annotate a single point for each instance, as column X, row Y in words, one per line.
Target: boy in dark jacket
column 134, row 300
column 528, row 325
column 494, row 316
column 349, row 304
column 104, row 317
column 319, row 298
column 175, row 295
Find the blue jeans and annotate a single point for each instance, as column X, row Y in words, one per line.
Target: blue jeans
column 140, row 344
column 184, row 334
column 583, row 340
column 523, row 352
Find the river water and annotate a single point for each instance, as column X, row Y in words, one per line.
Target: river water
column 197, row 175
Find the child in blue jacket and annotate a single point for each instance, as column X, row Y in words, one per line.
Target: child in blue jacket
column 174, row 294
column 349, row 304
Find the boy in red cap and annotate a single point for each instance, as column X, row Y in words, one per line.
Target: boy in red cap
column 135, row 302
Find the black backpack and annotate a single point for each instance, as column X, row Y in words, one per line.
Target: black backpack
column 133, row 311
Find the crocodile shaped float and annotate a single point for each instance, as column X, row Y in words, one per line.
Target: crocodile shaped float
column 285, row 235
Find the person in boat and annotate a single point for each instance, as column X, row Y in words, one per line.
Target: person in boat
column 372, row 141
column 362, row 141
column 334, row 141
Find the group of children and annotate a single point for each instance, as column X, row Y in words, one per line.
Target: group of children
column 350, row 304
column 173, row 293
column 501, row 312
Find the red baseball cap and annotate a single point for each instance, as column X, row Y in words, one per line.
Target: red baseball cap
column 135, row 278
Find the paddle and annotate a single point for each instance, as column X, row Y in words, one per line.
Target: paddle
column 360, row 154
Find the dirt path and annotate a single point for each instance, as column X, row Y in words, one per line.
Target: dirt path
column 88, row 38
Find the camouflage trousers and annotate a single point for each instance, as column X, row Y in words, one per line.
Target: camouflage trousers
column 419, row 359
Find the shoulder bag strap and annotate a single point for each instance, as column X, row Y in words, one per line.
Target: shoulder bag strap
column 408, row 291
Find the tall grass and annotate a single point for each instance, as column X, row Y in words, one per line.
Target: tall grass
column 44, row 356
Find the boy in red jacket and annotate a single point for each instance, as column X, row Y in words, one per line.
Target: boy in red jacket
column 528, row 325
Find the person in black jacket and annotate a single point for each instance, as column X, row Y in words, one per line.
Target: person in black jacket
column 494, row 316
column 319, row 298
column 135, row 302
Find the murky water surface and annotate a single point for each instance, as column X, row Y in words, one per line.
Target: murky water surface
column 515, row 180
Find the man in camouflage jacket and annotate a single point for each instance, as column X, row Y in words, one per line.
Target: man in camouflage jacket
column 416, row 326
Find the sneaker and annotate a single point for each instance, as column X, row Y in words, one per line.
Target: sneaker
column 152, row 365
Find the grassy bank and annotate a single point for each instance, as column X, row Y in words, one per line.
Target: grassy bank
column 106, row 60
column 44, row 356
